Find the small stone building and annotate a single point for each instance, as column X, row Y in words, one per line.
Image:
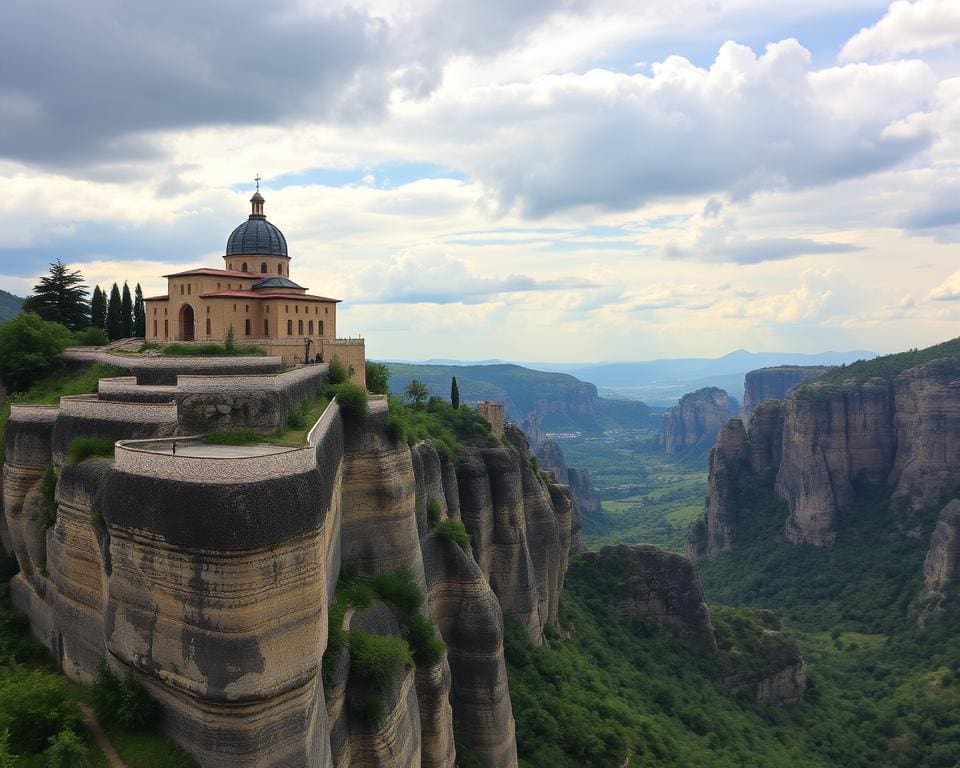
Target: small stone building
column 492, row 411
column 255, row 295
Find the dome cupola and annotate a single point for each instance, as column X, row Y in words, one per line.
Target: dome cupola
column 256, row 236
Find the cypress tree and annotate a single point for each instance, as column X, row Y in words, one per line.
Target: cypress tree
column 126, row 313
column 139, row 314
column 60, row 297
column 98, row 308
column 454, row 394
column 115, row 315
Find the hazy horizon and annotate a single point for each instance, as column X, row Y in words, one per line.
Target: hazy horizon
column 548, row 181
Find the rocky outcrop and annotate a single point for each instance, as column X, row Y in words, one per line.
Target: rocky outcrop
column 727, row 464
column 695, row 420
column 660, row 586
column 210, row 577
column 941, row 569
column 737, row 462
column 774, row 383
column 470, row 621
column 551, row 458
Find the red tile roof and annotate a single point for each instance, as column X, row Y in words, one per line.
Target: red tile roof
column 219, row 273
column 258, row 295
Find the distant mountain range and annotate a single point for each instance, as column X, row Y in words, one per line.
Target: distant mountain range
column 9, row 305
column 663, row 382
column 562, row 401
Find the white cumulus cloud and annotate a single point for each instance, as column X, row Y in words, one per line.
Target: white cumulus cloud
column 907, row 28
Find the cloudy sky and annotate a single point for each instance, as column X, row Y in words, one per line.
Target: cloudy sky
column 568, row 180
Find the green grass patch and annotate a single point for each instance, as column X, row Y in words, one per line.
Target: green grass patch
column 211, row 350
column 83, row 447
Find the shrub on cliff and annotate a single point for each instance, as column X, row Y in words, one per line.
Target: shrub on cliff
column 453, row 530
column 48, row 485
column 352, row 399
column 66, row 750
column 30, row 348
column 448, row 429
column 378, row 659
column 337, row 373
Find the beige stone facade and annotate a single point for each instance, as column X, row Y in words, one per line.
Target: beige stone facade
column 255, row 296
column 492, row 411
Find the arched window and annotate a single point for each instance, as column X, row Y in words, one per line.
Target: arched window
column 289, row 327
column 243, row 267
column 209, row 332
column 263, row 267
column 300, row 327
column 266, row 327
column 279, row 269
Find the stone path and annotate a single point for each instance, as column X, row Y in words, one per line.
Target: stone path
column 90, row 720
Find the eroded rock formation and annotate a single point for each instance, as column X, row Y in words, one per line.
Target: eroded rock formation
column 212, row 582
column 660, row 586
column 739, row 458
column 695, row 420
column 774, row 383
column 941, row 569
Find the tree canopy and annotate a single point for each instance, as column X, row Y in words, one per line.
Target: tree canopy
column 60, row 297
column 30, row 348
column 126, row 313
column 98, row 309
column 378, row 378
column 416, row 392
column 115, row 314
column 139, row 314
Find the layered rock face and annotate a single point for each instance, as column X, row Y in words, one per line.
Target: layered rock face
column 738, row 457
column 660, row 586
column 774, row 383
column 941, row 569
column 695, row 420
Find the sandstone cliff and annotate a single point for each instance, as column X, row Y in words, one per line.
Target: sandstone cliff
column 212, row 580
column 774, row 383
column 695, row 420
column 739, row 457
column 941, row 569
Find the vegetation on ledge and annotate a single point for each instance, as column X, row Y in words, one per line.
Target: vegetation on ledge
column 206, row 350
column 884, row 367
column 437, row 421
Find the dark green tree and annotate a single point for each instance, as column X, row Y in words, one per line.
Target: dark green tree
column 417, row 392
column 139, row 314
column 30, row 348
column 98, row 309
column 378, row 378
column 115, row 314
column 454, row 394
column 126, row 313
column 60, row 297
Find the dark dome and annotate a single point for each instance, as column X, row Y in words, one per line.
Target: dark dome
column 256, row 236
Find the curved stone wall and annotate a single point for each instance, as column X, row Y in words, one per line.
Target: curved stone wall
column 154, row 459
column 88, row 416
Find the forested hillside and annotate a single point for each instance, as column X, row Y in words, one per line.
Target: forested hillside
column 9, row 305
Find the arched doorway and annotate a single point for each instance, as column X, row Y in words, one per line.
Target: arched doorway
column 186, row 323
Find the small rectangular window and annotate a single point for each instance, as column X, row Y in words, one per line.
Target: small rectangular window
column 181, row 290
column 310, row 328
column 300, row 327
column 154, row 327
column 166, row 329
column 321, row 327
column 246, row 326
column 189, row 286
column 289, row 327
